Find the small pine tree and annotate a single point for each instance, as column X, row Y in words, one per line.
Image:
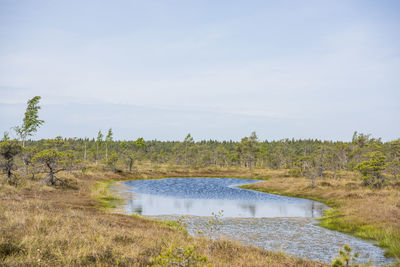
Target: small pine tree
column 8, row 151
column 371, row 170
column 52, row 160
column 346, row 257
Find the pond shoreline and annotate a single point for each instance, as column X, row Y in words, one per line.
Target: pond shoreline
column 245, row 186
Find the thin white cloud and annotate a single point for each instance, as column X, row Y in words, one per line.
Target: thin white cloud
column 266, row 64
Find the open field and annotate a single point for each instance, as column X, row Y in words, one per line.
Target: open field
column 69, row 226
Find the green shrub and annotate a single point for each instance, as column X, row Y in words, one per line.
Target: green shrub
column 180, row 256
column 294, row 172
column 346, row 257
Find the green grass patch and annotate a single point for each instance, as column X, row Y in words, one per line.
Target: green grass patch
column 386, row 237
column 101, row 192
column 174, row 225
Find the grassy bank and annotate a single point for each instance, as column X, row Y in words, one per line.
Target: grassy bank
column 72, row 226
column 355, row 209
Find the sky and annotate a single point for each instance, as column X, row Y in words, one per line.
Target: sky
column 216, row 69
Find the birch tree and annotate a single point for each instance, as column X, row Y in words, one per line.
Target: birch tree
column 99, row 140
column 31, row 120
column 109, row 139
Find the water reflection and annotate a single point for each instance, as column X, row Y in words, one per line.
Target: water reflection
column 249, row 208
column 202, row 196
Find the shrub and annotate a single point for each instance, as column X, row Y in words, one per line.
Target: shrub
column 346, row 257
column 180, row 256
column 371, row 170
column 294, row 172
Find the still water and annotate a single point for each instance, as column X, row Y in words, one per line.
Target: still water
column 265, row 220
column 202, row 196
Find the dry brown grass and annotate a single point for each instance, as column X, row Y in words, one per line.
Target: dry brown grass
column 147, row 170
column 47, row 226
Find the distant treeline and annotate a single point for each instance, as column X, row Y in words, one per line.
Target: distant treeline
column 372, row 157
column 300, row 156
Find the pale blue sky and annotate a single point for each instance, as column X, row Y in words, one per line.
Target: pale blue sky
column 216, row 69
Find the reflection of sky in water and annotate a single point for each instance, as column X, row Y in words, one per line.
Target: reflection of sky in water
column 202, row 196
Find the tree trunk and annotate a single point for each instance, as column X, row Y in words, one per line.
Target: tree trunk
column 97, row 152
column 84, row 155
column 51, row 174
column 26, row 163
column 130, row 165
column 313, row 180
column 106, row 151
